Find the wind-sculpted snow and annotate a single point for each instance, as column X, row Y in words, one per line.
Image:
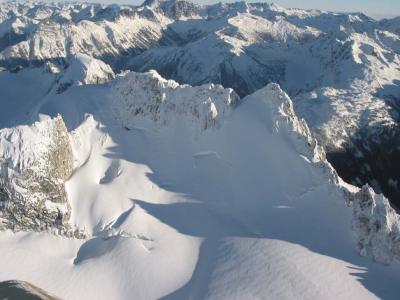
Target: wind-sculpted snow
column 187, row 191
column 285, row 117
column 340, row 69
column 35, row 163
column 190, row 188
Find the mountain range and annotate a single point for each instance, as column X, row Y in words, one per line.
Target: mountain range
column 176, row 150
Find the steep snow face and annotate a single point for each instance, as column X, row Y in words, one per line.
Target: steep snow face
column 188, row 187
column 341, row 70
column 35, row 163
column 83, row 69
column 246, row 208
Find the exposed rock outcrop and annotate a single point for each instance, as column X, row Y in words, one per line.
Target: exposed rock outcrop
column 150, row 96
column 35, row 162
column 22, row 290
column 376, row 226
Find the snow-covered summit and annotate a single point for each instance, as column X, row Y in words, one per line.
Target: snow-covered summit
column 153, row 189
column 149, row 95
column 83, row 69
column 164, row 175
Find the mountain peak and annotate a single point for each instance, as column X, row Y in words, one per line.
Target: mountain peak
column 159, row 170
column 174, row 9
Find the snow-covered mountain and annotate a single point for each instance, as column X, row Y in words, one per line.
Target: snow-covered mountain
column 198, row 179
column 341, row 70
column 183, row 192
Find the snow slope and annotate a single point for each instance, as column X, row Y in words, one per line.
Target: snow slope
column 341, row 70
column 245, row 207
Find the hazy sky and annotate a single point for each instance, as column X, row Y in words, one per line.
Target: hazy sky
column 375, row 8
column 370, row 7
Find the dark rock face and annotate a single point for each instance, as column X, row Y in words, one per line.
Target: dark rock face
column 21, row 290
column 11, row 38
column 375, row 161
column 241, row 57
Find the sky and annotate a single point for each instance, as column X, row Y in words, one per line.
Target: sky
column 374, row 8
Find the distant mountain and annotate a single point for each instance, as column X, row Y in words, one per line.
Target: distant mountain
column 173, row 177
column 182, row 151
column 341, row 70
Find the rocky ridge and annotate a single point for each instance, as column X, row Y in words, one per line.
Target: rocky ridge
column 35, row 163
column 341, row 70
column 138, row 97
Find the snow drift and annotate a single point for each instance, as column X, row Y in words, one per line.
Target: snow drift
column 341, row 69
column 186, row 192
